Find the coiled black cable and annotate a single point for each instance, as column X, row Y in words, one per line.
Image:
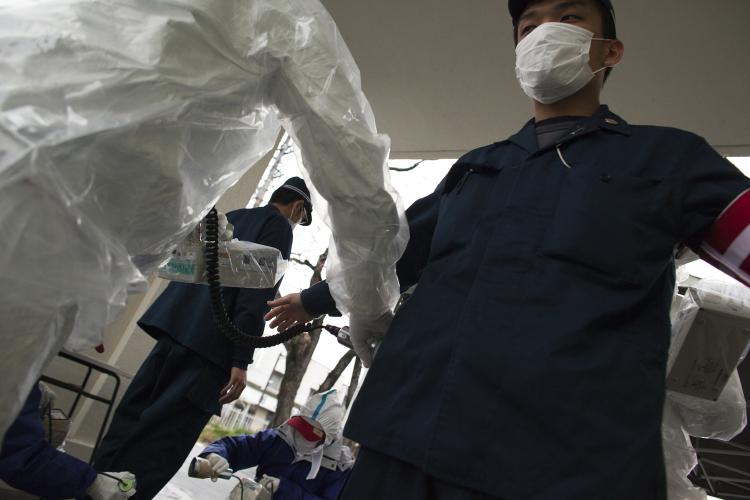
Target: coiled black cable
column 221, row 318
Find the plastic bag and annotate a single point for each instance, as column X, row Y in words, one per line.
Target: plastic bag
column 679, row 458
column 710, row 336
column 686, row 415
column 241, row 263
column 121, row 124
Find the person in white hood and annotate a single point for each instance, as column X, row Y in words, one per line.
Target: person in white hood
column 304, row 458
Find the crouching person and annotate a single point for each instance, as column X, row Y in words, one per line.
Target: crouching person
column 303, row 459
column 30, row 463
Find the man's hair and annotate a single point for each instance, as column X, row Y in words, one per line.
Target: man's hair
column 609, row 30
column 284, row 196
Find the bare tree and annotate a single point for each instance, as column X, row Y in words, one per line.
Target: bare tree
column 335, row 374
column 354, row 382
column 273, row 173
column 299, row 352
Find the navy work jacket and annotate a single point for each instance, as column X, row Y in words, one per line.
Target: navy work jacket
column 29, row 463
column 183, row 311
column 530, row 361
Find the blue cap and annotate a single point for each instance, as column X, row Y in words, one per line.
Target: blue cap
column 516, row 8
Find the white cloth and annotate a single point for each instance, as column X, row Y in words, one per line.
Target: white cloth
column 337, row 456
column 122, row 122
column 326, row 409
column 303, row 449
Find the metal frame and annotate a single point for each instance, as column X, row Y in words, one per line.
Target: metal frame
column 730, row 476
column 80, row 390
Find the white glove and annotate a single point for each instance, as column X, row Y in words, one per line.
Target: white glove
column 112, row 486
column 226, row 230
column 366, row 335
column 210, row 467
column 270, row 483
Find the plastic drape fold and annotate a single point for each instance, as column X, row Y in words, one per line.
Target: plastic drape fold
column 686, row 415
column 122, row 122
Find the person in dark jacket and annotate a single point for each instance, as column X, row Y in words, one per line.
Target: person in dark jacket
column 545, row 275
column 28, row 462
column 304, row 459
column 194, row 369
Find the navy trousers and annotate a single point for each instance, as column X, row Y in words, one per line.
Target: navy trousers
column 161, row 415
column 379, row 477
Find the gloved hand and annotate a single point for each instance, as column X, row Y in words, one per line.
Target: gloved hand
column 367, row 334
column 226, row 230
column 209, row 467
column 270, row 483
column 112, row 486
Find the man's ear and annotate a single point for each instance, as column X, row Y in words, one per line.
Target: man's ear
column 615, row 53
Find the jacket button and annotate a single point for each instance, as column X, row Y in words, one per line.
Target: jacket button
column 606, row 178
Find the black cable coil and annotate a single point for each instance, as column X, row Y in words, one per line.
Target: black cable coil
column 221, row 318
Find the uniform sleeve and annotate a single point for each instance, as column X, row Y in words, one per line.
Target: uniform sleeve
column 422, row 217
column 317, row 300
column 329, row 491
column 250, row 303
column 709, row 185
column 242, row 452
column 30, row 464
column 716, row 210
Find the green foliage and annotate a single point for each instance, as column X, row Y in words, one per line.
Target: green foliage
column 213, row 432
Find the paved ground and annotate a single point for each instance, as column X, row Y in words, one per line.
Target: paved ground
column 182, row 487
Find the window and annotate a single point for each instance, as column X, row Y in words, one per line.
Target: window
column 274, row 383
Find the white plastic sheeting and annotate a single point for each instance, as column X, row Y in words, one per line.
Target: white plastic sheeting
column 241, row 264
column 123, row 121
column 686, row 415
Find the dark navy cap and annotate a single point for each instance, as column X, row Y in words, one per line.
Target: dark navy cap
column 516, row 8
column 297, row 184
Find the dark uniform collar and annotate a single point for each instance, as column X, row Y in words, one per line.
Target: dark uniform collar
column 274, row 207
column 603, row 119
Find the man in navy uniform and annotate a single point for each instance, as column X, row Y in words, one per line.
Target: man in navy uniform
column 194, row 368
column 530, row 361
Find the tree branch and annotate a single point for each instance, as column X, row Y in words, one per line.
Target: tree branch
column 303, row 262
column 335, row 374
column 396, row 169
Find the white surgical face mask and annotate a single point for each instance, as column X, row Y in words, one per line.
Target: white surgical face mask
column 291, row 220
column 552, row 62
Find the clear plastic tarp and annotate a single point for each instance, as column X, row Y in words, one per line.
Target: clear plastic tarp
column 122, row 122
column 688, row 415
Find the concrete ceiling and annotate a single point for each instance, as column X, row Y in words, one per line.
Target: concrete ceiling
column 440, row 74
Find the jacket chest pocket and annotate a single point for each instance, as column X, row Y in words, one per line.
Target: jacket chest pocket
column 605, row 223
column 469, row 194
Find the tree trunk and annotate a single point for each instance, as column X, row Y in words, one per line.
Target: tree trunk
column 299, row 352
column 335, row 374
column 354, row 383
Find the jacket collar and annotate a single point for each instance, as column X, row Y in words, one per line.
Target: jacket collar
column 603, row 119
column 274, row 208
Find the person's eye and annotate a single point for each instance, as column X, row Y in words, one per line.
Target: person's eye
column 569, row 17
column 527, row 29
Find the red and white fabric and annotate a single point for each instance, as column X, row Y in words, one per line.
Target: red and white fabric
column 727, row 244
